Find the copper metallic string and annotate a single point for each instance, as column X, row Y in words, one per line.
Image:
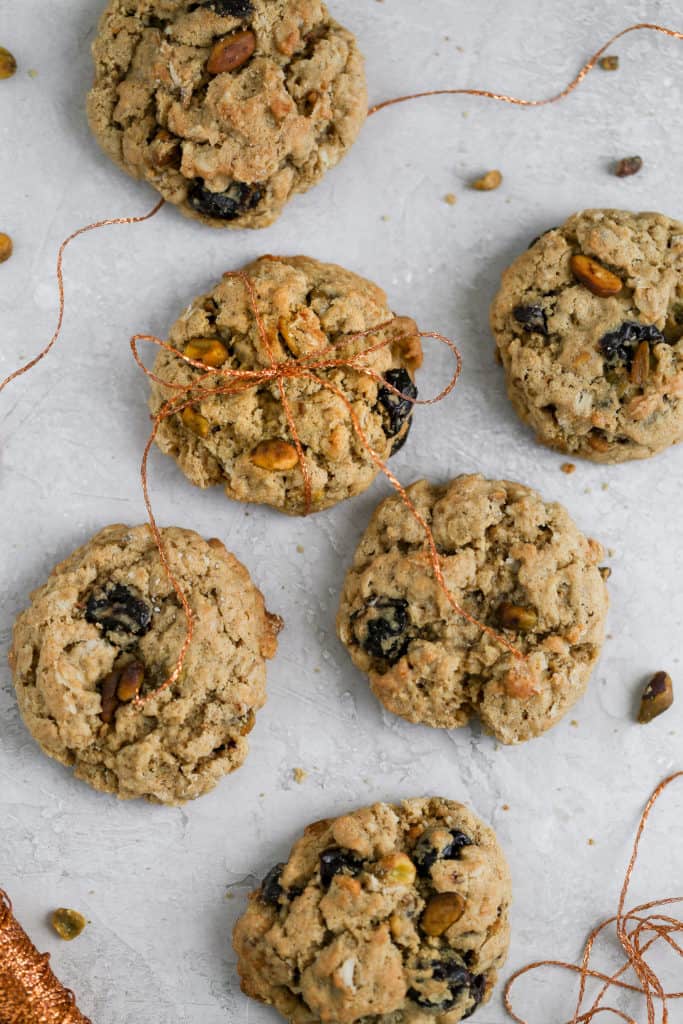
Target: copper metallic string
column 29, row 991
column 515, row 100
column 638, row 930
column 280, row 372
column 60, row 284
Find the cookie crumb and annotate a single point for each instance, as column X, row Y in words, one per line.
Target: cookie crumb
column 6, row 247
column 450, row 198
column 568, row 468
column 574, row 723
column 488, row 182
column 32, row 73
column 385, row 217
column 611, row 552
column 627, row 166
column 591, row 842
column 300, row 549
column 604, row 487
column 299, row 774
column 8, row 64
column 68, row 923
column 506, row 807
column 609, row 63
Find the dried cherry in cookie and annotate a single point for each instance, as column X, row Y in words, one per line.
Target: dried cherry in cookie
column 107, row 627
column 336, row 861
column 587, row 328
column 620, row 346
column 343, row 938
column 228, row 8
column 244, row 442
column 438, row 844
column 234, row 201
column 398, row 409
column 439, row 984
column 116, row 608
column 383, row 627
column 271, row 890
column 532, row 319
column 513, row 563
column 228, row 108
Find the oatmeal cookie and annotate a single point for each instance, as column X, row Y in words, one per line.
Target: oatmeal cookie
column 243, row 441
column 388, row 915
column 228, row 108
column 589, row 327
column 513, row 562
column 108, row 626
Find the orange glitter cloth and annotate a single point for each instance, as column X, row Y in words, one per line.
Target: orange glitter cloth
column 29, row 991
column 638, row 931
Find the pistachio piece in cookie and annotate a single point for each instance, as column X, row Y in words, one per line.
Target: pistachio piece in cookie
column 106, row 628
column 513, row 563
column 588, row 328
column 228, row 108
column 311, row 313
column 349, row 930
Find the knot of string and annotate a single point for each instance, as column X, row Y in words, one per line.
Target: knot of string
column 230, row 381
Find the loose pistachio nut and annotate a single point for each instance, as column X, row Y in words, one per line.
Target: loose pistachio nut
column 8, row 64
column 657, row 698
column 68, row 923
column 6, row 247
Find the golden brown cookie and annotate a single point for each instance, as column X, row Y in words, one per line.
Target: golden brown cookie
column 244, row 442
column 228, row 108
column 589, row 327
column 513, row 562
column 107, row 626
column 389, row 914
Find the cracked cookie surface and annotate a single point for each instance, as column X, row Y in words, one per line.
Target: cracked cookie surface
column 595, row 363
column 243, row 442
column 108, row 619
column 226, row 107
column 393, row 914
column 513, row 562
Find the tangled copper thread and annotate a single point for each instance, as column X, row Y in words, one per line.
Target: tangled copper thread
column 29, row 991
column 638, row 930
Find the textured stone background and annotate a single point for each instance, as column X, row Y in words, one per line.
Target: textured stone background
column 153, row 881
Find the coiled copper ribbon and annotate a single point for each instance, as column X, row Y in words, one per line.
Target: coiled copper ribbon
column 638, row 931
column 29, row 991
